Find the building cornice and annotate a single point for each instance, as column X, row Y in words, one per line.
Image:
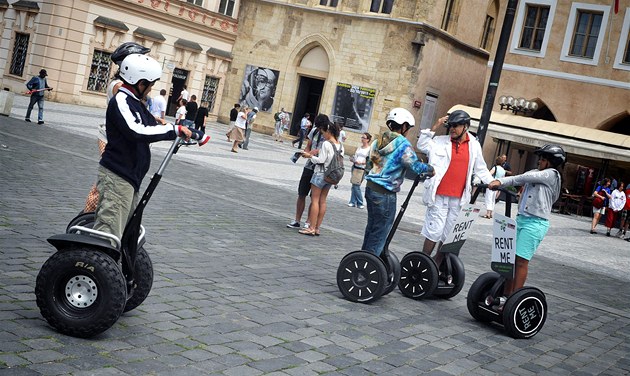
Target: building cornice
column 420, row 26
column 184, row 15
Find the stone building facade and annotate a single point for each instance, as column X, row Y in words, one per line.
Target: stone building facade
column 73, row 40
column 357, row 59
column 571, row 58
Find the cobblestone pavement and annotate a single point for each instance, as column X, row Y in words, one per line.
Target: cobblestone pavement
column 237, row 293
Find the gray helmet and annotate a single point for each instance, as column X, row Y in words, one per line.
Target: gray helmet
column 127, row 49
column 458, row 117
column 553, row 153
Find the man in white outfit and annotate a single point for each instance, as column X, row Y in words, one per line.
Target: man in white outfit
column 455, row 157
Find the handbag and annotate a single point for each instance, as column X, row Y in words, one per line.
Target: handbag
column 357, row 176
column 598, row 202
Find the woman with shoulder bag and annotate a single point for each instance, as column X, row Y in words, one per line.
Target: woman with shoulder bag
column 319, row 186
column 358, row 170
column 600, row 201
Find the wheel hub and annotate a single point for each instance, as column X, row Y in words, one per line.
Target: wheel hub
column 81, row 291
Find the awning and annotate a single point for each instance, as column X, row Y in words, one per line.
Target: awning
column 576, row 140
column 188, row 45
column 110, row 23
column 150, row 34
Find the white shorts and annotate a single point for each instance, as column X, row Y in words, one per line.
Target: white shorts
column 440, row 218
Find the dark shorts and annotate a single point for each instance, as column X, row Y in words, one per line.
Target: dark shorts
column 305, row 182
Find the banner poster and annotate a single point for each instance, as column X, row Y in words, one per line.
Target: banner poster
column 503, row 245
column 353, row 106
column 259, row 87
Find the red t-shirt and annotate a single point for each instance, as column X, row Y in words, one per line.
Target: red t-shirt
column 454, row 181
column 627, row 207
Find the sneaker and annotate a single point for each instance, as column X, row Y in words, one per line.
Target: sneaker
column 619, row 234
column 361, row 206
column 307, row 225
column 41, row 122
column 294, row 224
column 351, row 205
column 27, row 120
column 608, row 233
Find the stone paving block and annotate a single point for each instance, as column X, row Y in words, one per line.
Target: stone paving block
column 42, row 356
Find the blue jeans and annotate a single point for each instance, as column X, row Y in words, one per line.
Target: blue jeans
column 355, row 196
column 381, row 210
column 39, row 99
column 300, row 139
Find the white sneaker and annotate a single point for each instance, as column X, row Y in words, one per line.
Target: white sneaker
column 351, row 205
column 361, row 206
column 307, row 225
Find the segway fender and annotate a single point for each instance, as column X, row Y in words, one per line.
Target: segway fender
column 68, row 242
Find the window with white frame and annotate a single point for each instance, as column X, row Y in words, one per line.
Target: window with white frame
column 532, row 28
column 622, row 59
column 227, row 7
column 196, row 2
column 584, row 37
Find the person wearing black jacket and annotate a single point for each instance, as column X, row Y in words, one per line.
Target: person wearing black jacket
column 130, row 129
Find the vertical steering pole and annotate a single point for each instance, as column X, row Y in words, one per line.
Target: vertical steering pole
column 495, row 75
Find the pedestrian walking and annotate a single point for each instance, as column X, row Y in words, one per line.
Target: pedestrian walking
column 305, row 123
column 36, row 86
column 278, row 118
column 455, row 157
column 180, row 115
column 359, row 161
column 158, row 108
column 600, row 202
column 541, row 188
column 233, row 115
column 497, row 172
column 191, row 111
column 202, row 116
column 390, row 155
column 249, row 124
column 615, row 205
column 236, row 134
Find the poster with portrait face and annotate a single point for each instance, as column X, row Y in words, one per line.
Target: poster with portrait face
column 353, row 106
column 259, row 87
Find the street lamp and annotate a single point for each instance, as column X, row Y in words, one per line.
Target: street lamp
column 517, row 105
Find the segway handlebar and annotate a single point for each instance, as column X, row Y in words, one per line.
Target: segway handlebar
column 197, row 135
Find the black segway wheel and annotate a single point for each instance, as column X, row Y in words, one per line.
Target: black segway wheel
column 143, row 280
column 361, row 277
column 80, row 293
column 393, row 272
column 456, row 277
column 477, row 295
column 418, row 276
column 83, row 219
column 525, row 312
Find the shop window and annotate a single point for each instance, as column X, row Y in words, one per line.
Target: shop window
column 18, row 59
column 99, row 71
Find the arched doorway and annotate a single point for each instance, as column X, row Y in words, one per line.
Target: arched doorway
column 312, row 73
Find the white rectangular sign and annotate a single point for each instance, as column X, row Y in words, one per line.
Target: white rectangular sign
column 503, row 245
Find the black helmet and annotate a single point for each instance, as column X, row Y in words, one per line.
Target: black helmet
column 127, row 49
column 458, row 117
column 553, row 153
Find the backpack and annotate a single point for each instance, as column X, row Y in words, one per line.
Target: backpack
column 276, row 116
column 334, row 172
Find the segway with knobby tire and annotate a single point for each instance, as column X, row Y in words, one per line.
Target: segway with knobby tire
column 523, row 313
column 364, row 277
column 94, row 277
column 421, row 277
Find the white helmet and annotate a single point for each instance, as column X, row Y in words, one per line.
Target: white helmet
column 400, row 116
column 136, row 67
